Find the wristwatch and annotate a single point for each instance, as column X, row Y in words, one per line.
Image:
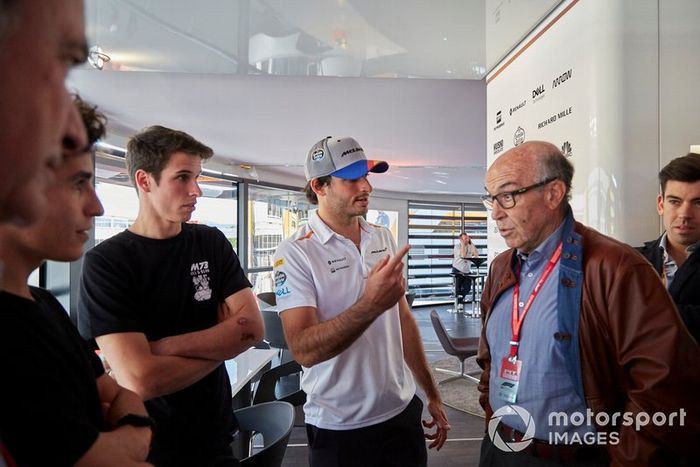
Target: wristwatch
column 134, row 419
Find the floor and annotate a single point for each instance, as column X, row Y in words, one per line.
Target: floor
column 462, row 447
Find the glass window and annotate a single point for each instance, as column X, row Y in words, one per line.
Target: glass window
column 274, row 214
column 121, row 207
column 34, row 278
column 388, row 219
column 217, row 207
column 433, row 230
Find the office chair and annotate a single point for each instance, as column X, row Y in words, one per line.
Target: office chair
column 268, row 298
column 265, row 392
column 272, row 420
column 266, row 389
column 274, row 333
column 460, row 347
column 410, row 296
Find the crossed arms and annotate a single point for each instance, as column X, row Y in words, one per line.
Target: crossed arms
column 125, row 445
column 157, row 368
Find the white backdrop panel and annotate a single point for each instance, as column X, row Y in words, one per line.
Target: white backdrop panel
column 587, row 81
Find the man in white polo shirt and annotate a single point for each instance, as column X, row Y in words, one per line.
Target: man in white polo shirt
column 340, row 289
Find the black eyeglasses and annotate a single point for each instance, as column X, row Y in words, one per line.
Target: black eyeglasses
column 507, row 199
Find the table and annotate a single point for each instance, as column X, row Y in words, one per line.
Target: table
column 477, row 285
column 244, row 368
column 477, row 288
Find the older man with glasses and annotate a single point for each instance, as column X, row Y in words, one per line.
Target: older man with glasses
column 40, row 41
column 581, row 344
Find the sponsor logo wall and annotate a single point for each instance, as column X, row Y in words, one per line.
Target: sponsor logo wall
column 575, row 82
column 497, row 146
column 544, row 92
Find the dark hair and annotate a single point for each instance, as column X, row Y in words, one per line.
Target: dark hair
column 554, row 164
column 309, row 192
column 682, row 169
column 151, row 149
column 9, row 17
column 95, row 121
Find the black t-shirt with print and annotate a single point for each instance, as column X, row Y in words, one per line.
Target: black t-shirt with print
column 50, row 412
column 164, row 288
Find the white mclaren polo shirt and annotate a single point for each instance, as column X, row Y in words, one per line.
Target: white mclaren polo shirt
column 369, row 382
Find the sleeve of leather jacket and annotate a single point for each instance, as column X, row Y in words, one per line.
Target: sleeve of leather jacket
column 657, row 369
column 483, row 357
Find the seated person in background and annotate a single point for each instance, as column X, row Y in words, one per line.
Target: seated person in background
column 57, row 406
column 675, row 254
column 461, row 265
column 168, row 303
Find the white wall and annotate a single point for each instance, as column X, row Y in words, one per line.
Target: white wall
column 508, row 22
column 610, row 54
column 679, row 77
column 637, row 80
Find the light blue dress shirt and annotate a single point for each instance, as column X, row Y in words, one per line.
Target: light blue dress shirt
column 669, row 265
column 545, row 385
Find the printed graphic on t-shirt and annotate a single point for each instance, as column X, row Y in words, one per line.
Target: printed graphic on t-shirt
column 200, row 278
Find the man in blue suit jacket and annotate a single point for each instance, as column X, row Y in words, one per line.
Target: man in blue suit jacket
column 675, row 255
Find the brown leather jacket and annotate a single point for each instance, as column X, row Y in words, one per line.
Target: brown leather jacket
column 635, row 354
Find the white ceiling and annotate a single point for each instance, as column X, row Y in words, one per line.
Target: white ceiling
column 420, row 126
column 369, row 38
column 176, row 63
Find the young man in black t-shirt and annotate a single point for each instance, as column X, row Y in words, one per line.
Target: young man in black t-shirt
column 168, row 303
column 57, row 405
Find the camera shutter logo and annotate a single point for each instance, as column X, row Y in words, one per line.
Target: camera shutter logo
column 511, row 446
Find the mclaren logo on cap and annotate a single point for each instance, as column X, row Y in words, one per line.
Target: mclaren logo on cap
column 350, row 151
column 317, row 155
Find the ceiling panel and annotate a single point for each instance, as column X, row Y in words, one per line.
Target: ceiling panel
column 261, row 80
column 360, row 38
column 419, row 126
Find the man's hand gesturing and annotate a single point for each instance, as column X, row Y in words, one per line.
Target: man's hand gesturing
column 386, row 283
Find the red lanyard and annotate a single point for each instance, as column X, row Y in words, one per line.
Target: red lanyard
column 516, row 322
